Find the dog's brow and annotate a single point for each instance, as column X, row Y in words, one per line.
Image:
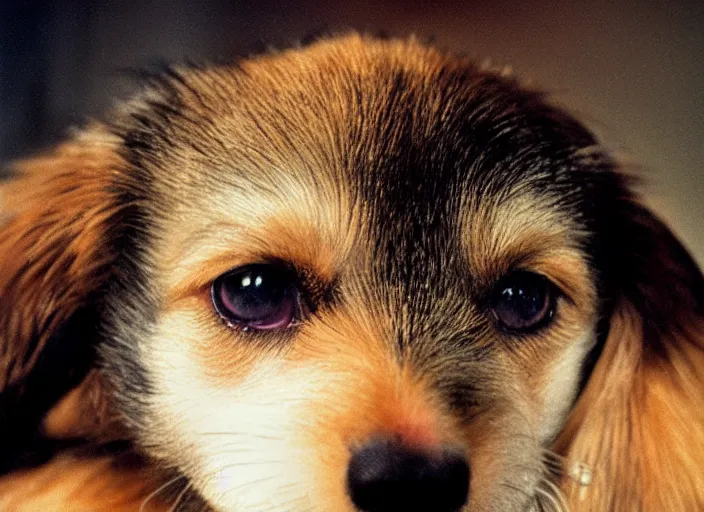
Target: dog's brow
column 199, row 256
column 497, row 235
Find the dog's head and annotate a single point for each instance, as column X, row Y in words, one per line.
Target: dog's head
column 363, row 275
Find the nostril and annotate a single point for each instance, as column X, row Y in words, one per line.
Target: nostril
column 384, row 476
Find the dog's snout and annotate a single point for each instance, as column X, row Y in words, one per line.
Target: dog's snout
column 385, row 476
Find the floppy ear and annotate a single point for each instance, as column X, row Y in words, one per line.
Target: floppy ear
column 57, row 244
column 639, row 423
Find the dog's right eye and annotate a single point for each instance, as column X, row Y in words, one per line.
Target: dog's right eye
column 261, row 296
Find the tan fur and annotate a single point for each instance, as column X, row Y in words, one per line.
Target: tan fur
column 54, row 240
column 85, row 412
column 639, row 424
column 81, row 484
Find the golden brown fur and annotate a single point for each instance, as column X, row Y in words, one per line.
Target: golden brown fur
column 83, row 484
column 641, row 415
column 132, row 221
column 57, row 242
column 639, row 421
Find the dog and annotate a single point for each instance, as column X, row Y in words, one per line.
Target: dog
column 357, row 275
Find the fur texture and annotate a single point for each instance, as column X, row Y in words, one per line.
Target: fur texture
column 401, row 184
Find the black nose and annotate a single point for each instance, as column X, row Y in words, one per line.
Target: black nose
column 384, row 476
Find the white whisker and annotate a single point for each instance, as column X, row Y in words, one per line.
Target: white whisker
column 180, row 496
column 142, row 508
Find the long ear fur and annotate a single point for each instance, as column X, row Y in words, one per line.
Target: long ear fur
column 639, row 423
column 57, row 219
column 98, row 483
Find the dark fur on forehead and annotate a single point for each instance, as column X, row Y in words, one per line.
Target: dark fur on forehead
column 438, row 127
column 406, row 129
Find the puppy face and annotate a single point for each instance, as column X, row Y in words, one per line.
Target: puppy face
column 360, row 247
column 362, row 275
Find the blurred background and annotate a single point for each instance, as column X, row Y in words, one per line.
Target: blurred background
column 632, row 70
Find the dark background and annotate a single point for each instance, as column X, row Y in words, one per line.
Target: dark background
column 633, row 70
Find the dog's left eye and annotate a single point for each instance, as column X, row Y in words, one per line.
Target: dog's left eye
column 524, row 301
column 261, row 296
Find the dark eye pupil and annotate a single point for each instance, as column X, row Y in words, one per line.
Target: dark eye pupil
column 523, row 301
column 255, row 293
column 261, row 296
